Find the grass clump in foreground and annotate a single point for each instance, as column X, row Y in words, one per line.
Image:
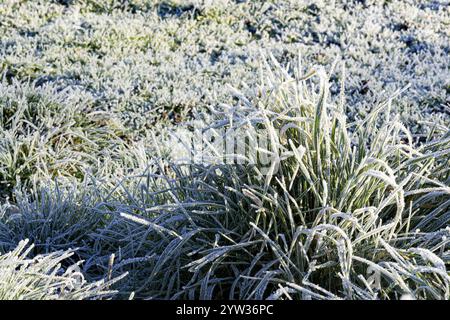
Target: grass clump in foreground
column 42, row 278
column 344, row 211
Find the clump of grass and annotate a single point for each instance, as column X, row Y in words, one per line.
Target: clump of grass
column 345, row 211
column 42, row 278
column 342, row 198
column 47, row 134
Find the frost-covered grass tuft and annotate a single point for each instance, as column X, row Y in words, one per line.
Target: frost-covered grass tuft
column 47, row 133
column 42, row 278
